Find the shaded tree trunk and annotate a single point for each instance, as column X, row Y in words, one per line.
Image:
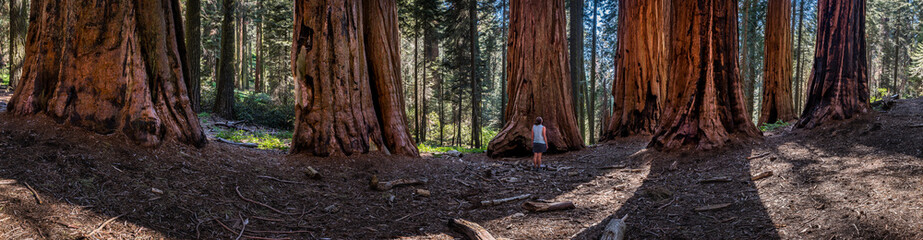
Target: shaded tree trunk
column 839, row 80
column 503, row 50
column 382, row 46
column 799, row 80
column 416, row 87
column 745, row 58
column 473, row 72
column 194, row 51
column 591, row 106
column 118, row 68
column 244, row 60
column 346, row 66
column 538, row 81
column 641, row 68
column 777, row 71
column 224, row 99
column 258, row 75
column 706, row 107
column 18, row 26
column 577, row 71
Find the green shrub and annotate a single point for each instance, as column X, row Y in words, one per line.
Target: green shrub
column 423, row 148
column 277, row 140
column 769, row 127
column 259, row 109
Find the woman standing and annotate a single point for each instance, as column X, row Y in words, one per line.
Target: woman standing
column 538, row 143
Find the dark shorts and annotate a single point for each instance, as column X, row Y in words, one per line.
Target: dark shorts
column 539, row 147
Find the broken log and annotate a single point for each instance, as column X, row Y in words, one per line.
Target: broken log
column 504, row 200
column 761, row 176
column 249, row 145
column 471, row 230
column 615, row 230
column 547, row 207
column 385, row 186
column 712, row 207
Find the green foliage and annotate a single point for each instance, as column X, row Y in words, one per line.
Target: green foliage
column 258, row 108
column 879, row 94
column 769, row 127
column 276, row 140
column 423, row 148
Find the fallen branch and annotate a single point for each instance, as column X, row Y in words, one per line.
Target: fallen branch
column 668, row 204
column 547, row 207
column 504, row 200
column 246, row 236
column 471, row 230
column 7, row 181
column 715, row 180
column 34, row 193
column 615, row 230
column 915, row 126
column 261, row 204
column 712, row 207
column 280, row 180
column 761, row 176
column 385, row 186
column 620, row 166
column 757, row 156
column 249, row 145
column 101, row 226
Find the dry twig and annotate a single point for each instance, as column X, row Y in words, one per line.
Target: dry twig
column 34, row 193
column 261, row 204
column 101, row 226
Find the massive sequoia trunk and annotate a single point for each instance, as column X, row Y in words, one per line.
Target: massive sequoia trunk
column 706, row 107
column 383, row 49
column 577, row 75
column 839, row 80
column 337, row 110
column 117, row 68
column 194, row 54
column 538, row 83
column 224, row 98
column 777, row 71
column 641, row 68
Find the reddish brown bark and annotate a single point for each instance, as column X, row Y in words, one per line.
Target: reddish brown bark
column 539, row 82
column 706, row 107
column 117, row 68
column 340, row 95
column 777, row 71
column 839, row 80
column 641, row 68
column 383, row 49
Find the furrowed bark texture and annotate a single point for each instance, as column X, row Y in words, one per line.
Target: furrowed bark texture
column 110, row 67
column 706, row 107
column 777, row 71
column 839, row 81
column 348, row 79
column 539, row 82
column 194, row 44
column 641, row 68
column 383, row 49
column 224, row 98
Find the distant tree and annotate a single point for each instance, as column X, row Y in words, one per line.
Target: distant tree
column 194, row 51
column 577, row 70
column 18, row 25
column 224, row 100
column 538, row 81
column 705, row 105
column 123, row 70
column 839, row 83
column 777, row 83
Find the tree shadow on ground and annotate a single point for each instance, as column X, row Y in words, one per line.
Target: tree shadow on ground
column 668, row 204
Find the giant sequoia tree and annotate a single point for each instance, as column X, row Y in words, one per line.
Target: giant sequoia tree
column 337, row 62
column 641, row 68
column 839, row 81
column 705, row 105
column 538, row 81
column 777, row 71
column 118, row 67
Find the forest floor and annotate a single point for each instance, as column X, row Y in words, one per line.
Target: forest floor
column 857, row 179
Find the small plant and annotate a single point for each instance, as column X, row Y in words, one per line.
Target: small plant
column 434, row 149
column 277, row 140
column 769, row 127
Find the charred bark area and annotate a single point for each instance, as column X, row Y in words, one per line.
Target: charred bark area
column 117, row 68
column 539, row 81
column 777, row 71
column 383, row 49
column 706, row 107
column 839, row 81
column 641, row 68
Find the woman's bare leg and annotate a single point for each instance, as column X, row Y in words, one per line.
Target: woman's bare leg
column 538, row 159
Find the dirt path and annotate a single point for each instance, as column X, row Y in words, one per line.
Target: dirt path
column 863, row 179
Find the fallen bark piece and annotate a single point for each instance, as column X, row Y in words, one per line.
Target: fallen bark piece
column 311, row 173
column 385, row 186
column 157, row 191
column 7, row 181
column 615, row 230
column 757, row 156
column 712, row 207
column 761, row 176
column 504, row 200
column 249, row 145
column 423, row 192
column 471, row 230
column 547, row 207
column 715, row 180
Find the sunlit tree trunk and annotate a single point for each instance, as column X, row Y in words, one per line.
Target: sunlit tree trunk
column 641, row 68
column 18, row 26
column 224, row 99
column 799, row 80
column 117, row 68
column 538, row 81
column 591, row 107
column 839, row 80
column 706, row 107
column 777, row 69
